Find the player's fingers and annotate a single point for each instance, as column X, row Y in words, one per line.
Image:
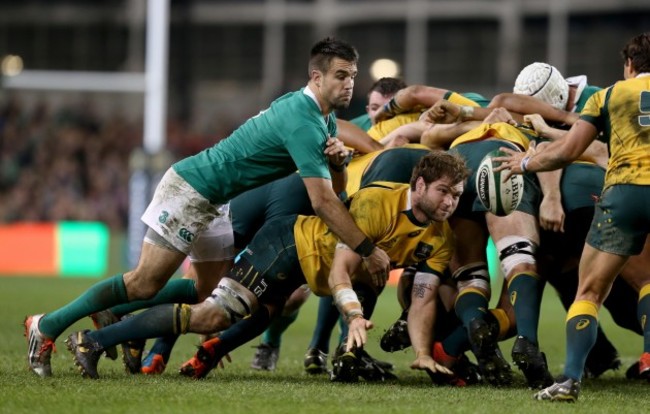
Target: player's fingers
column 442, row 369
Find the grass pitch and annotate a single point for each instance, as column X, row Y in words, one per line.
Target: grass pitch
column 239, row 389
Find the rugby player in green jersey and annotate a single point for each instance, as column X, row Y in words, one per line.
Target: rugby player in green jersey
column 294, row 133
column 409, row 221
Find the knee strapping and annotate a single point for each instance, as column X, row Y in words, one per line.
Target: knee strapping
column 515, row 250
column 182, row 315
column 229, row 297
column 473, row 275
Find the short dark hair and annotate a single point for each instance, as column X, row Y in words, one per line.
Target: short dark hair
column 327, row 49
column 638, row 50
column 387, row 86
column 438, row 164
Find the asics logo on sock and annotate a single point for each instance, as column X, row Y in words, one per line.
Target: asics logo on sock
column 582, row 324
column 513, row 298
column 643, row 321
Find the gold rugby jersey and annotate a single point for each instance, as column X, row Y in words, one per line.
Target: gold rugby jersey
column 622, row 112
column 383, row 212
column 520, row 136
column 359, row 165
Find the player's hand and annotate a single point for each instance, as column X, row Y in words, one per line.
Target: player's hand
column 357, row 333
column 378, row 265
column 442, row 112
column 426, row 362
column 336, row 151
column 221, row 364
column 537, row 122
column 551, row 214
column 499, row 115
column 512, row 162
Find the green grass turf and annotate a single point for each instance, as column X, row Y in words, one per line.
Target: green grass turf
column 241, row 389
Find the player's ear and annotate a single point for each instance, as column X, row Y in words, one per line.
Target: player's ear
column 420, row 185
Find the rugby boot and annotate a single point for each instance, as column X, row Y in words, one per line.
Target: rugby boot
column 492, row 365
column 564, row 389
column 132, row 355
column 396, row 338
column 345, row 368
column 371, row 369
column 206, row 358
column 464, row 372
column 102, row 319
column 644, row 366
column 601, row 361
column 315, row 361
column 528, row 358
column 85, row 353
column 266, row 357
column 153, row 364
column 39, row 348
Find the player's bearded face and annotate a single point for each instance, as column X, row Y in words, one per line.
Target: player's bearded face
column 338, row 83
column 440, row 200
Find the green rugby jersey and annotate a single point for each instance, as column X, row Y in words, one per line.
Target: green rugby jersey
column 290, row 135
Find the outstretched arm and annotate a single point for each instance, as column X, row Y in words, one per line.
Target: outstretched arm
column 354, row 137
column 556, row 155
column 344, row 264
column 421, row 319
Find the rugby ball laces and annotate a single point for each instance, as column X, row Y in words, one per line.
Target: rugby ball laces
column 498, row 197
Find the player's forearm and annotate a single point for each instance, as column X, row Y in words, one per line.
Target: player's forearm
column 339, row 178
column 421, row 318
column 354, row 137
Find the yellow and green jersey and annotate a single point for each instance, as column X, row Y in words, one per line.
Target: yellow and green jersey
column 520, row 136
column 622, row 113
column 383, row 212
column 359, row 165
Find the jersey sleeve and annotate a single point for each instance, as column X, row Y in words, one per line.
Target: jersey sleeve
column 369, row 214
column 306, row 145
column 592, row 112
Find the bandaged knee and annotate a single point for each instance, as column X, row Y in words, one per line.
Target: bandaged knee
column 515, row 250
column 230, row 298
column 474, row 275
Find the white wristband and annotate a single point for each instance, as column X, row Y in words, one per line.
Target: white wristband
column 524, row 164
column 345, row 296
column 466, row 112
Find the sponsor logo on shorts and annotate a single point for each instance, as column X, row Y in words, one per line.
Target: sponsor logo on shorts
column 163, row 216
column 186, row 235
column 582, row 324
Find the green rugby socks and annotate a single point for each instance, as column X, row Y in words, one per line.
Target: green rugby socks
column 175, row 291
column 102, row 295
column 581, row 333
column 525, row 291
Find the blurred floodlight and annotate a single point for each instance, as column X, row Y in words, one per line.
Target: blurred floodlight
column 383, row 68
column 12, row 65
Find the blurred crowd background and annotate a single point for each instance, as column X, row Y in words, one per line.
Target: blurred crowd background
column 65, row 155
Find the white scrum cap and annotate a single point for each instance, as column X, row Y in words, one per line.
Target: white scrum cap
column 543, row 82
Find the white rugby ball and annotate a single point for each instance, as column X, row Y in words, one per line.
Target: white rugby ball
column 498, row 197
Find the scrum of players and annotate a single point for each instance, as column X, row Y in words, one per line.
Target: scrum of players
column 434, row 227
